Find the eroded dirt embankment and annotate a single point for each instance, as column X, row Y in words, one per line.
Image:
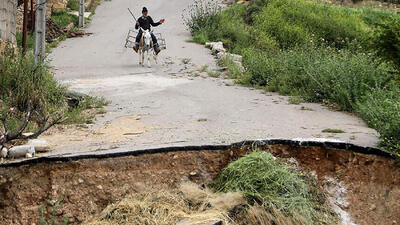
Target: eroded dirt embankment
column 89, row 185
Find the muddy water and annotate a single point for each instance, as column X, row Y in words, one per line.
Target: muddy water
column 366, row 187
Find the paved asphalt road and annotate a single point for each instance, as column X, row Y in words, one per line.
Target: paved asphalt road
column 176, row 107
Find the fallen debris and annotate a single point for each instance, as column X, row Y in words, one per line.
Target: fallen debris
column 53, row 31
column 4, row 152
column 78, row 34
column 190, row 204
column 40, row 145
column 216, row 47
column 21, row 151
column 220, row 52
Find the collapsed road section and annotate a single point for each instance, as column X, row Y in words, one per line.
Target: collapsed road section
column 361, row 184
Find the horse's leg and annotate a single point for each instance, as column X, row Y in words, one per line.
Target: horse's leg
column 155, row 57
column 148, row 58
column 140, row 57
column 154, row 52
column 143, row 58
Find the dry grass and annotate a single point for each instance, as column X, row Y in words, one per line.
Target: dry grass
column 188, row 203
column 257, row 215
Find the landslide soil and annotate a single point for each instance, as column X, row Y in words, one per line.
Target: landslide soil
column 89, row 185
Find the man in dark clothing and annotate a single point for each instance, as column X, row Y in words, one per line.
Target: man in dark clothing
column 144, row 22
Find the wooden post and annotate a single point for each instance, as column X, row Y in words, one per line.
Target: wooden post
column 25, row 27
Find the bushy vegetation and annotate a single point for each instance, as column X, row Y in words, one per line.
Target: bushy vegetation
column 343, row 56
column 30, row 40
column 62, row 18
column 22, row 81
column 380, row 108
column 73, row 5
column 317, row 74
column 293, row 22
column 265, row 181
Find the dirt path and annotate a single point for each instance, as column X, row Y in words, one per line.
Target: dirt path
column 173, row 106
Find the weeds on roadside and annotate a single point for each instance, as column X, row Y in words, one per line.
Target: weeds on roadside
column 86, row 110
column 55, row 205
column 23, row 80
column 334, row 131
column 295, row 100
column 62, row 18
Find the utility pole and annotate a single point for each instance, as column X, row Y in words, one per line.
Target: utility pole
column 25, row 27
column 40, row 30
column 32, row 18
column 81, row 13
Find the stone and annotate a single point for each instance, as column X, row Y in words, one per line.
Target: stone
column 39, row 144
column 193, row 173
column 234, row 57
column 21, row 151
column 216, row 46
column 4, row 152
column 292, row 161
column 221, row 55
column 69, row 27
column 373, row 207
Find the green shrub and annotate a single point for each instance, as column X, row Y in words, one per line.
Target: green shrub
column 318, row 74
column 263, row 180
column 73, row 5
column 234, row 71
column 387, row 40
column 201, row 16
column 381, row 110
column 22, row 80
column 30, row 40
column 207, row 22
column 62, row 18
column 231, row 29
column 296, row 22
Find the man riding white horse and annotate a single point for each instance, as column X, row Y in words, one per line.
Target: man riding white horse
column 144, row 22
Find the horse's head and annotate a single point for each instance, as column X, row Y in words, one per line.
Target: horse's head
column 147, row 38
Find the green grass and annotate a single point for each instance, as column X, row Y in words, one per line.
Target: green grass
column 295, row 100
column 233, row 70
column 63, row 18
column 334, row 131
column 203, row 68
column 30, row 40
column 214, row 74
column 186, row 60
column 73, row 5
column 266, row 181
column 86, row 110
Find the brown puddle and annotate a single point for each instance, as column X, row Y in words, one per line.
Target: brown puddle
column 367, row 187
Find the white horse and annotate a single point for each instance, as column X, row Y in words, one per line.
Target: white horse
column 146, row 48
